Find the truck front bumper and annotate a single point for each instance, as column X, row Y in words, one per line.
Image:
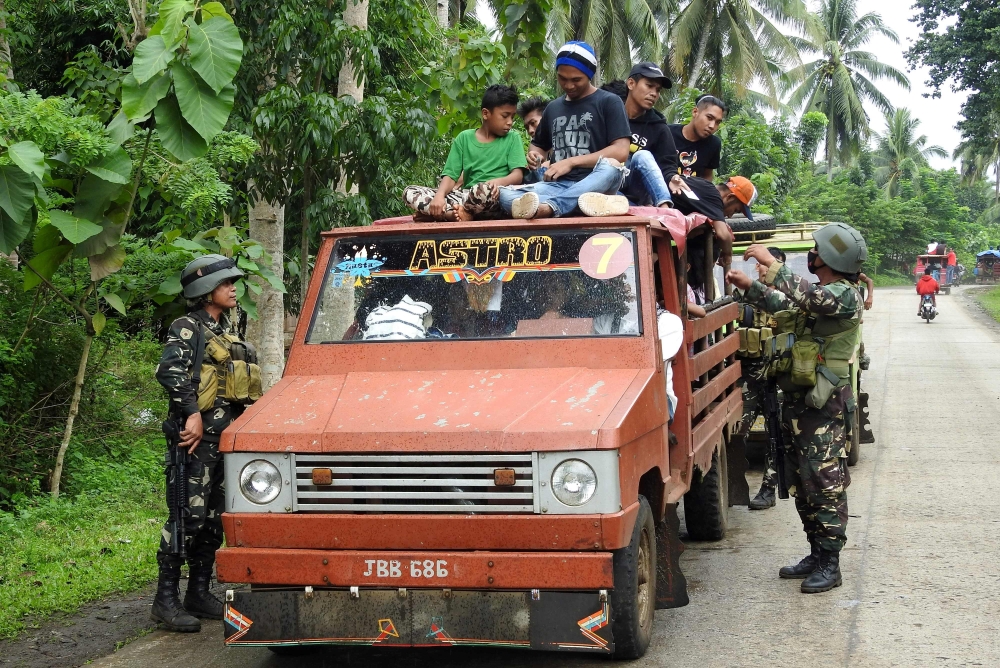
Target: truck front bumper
column 533, row 619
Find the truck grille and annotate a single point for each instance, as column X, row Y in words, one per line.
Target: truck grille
column 445, row 483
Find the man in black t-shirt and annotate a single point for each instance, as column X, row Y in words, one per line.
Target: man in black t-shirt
column 698, row 149
column 588, row 133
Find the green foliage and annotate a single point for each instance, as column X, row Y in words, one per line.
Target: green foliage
column 990, row 301
column 524, row 26
column 810, row 132
column 959, row 44
column 901, row 153
column 184, row 71
column 766, row 154
column 457, row 82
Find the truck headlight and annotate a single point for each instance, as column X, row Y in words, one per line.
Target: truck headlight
column 574, row 482
column 260, row 481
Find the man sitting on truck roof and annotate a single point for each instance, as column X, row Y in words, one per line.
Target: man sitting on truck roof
column 588, row 133
column 485, row 159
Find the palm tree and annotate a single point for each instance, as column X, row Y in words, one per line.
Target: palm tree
column 735, row 37
column 616, row 29
column 901, row 153
column 981, row 154
column 842, row 78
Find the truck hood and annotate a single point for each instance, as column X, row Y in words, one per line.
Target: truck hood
column 440, row 411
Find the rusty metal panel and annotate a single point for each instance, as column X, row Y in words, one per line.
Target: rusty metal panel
column 458, row 570
column 708, row 433
column 227, row 440
column 419, row 532
column 570, row 414
column 295, row 419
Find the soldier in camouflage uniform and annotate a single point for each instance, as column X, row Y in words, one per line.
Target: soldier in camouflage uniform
column 817, row 417
column 208, row 287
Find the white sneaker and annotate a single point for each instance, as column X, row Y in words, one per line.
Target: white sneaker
column 525, row 206
column 598, row 204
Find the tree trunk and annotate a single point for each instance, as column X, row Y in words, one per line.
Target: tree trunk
column 356, row 16
column 5, row 62
column 74, row 409
column 442, row 13
column 829, row 154
column 699, row 58
column 304, row 237
column 267, row 332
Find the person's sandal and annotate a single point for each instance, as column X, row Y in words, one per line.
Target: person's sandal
column 525, row 206
column 599, row 204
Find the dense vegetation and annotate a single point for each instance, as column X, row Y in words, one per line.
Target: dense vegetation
column 113, row 180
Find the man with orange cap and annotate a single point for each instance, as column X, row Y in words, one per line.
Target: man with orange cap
column 716, row 202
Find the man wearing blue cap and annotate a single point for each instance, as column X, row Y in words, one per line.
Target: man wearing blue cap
column 588, row 132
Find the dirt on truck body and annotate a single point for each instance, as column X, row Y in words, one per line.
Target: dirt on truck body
column 470, row 444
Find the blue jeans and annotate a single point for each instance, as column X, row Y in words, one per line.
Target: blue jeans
column 936, row 273
column 951, row 273
column 562, row 196
column 642, row 169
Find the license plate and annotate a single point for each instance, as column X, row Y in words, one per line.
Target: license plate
column 397, row 568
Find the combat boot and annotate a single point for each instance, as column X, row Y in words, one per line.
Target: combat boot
column 826, row 576
column 167, row 607
column 802, row 569
column 764, row 498
column 199, row 601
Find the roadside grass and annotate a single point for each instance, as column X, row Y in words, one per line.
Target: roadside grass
column 990, row 301
column 56, row 556
column 891, row 279
column 100, row 537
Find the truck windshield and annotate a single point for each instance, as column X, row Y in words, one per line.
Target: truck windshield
column 452, row 286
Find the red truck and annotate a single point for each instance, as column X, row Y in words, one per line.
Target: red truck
column 471, row 445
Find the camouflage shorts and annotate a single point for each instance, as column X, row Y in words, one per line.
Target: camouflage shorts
column 206, row 501
column 816, row 468
column 479, row 200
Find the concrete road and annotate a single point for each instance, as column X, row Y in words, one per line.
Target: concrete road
column 921, row 573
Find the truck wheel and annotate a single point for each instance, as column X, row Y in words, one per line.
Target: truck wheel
column 854, row 454
column 633, row 600
column 706, row 503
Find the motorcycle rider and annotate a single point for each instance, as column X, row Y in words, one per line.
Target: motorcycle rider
column 927, row 286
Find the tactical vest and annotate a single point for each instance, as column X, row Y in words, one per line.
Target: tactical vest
column 799, row 345
column 229, row 370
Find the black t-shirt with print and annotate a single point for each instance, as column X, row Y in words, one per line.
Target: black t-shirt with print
column 580, row 127
column 694, row 157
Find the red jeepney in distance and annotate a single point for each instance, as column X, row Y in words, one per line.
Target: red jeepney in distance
column 471, row 446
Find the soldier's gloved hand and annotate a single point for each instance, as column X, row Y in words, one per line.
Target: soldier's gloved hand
column 738, row 279
column 760, row 253
column 192, row 432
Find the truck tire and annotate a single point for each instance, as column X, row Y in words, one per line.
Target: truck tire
column 706, row 503
column 760, row 223
column 633, row 599
column 854, row 454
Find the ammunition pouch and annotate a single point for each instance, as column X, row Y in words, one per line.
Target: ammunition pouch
column 822, row 390
column 229, row 372
column 805, row 354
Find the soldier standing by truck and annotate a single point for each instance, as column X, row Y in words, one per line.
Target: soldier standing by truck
column 824, row 319
column 209, row 375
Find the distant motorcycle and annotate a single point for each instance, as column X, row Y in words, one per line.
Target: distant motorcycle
column 927, row 309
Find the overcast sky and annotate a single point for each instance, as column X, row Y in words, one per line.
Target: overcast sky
column 937, row 116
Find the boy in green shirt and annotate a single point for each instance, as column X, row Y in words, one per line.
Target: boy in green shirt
column 482, row 160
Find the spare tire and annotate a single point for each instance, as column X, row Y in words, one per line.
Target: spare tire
column 761, row 222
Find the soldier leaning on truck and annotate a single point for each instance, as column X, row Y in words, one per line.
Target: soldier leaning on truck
column 208, row 287
column 825, row 318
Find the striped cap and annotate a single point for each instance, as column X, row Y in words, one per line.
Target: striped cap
column 579, row 55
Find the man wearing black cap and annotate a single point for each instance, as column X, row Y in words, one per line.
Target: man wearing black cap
column 652, row 154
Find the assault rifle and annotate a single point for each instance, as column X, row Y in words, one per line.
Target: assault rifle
column 176, row 461
column 775, row 438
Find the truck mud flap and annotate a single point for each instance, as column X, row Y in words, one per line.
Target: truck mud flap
column 867, row 435
column 546, row 620
column 671, row 585
column 736, row 461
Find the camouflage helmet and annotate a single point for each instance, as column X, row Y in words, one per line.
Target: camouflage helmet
column 206, row 273
column 841, row 247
